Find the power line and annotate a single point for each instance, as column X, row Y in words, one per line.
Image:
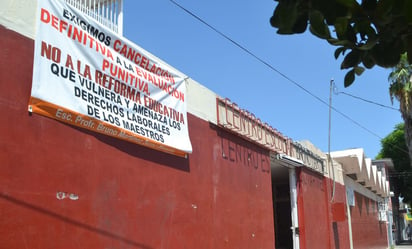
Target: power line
column 336, row 92
column 276, row 70
column 249, row 52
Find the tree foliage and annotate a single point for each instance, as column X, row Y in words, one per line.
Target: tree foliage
column 401, row 89
column 367, row 33
column 400, row 83
column 394, row 147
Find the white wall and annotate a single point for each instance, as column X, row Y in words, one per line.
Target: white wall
column 19, row 15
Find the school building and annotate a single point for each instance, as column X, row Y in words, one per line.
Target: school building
column 104, row 145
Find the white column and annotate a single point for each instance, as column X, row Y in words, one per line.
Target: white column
column 294, row 207
column 120, row 17
column 349, row 223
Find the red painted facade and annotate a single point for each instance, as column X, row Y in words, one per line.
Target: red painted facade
column 318, row 230
column 65, row 187
column 317, row 227
column 368, row 232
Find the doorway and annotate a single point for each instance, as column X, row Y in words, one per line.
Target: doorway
column 284, row 198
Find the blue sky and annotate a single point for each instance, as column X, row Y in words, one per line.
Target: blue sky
column 174, row 36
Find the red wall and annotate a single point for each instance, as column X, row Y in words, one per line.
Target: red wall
column 368, row 232
column 317, row 226
column 129, row 196
column 319, row 230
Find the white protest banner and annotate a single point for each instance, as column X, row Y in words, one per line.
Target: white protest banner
column 88, row 76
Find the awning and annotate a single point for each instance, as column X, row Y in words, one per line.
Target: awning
column 408, row 217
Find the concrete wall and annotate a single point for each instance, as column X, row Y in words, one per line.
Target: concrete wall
column 65, row 187
column 367, row 230
column 317, row 227
column 19, row 15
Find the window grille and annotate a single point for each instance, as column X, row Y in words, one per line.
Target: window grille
column 107, row 12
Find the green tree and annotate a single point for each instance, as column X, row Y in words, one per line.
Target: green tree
column 366, row 32
column 394, row 147
column 401, row 89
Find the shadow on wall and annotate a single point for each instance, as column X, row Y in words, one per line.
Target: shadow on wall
column 79, row 224
column 363, row 200
column 359, row 202
column 336, row 235
column 138, row 151
column 367, row 204
column 17, row 97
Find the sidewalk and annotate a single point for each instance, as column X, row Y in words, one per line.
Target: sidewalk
column 404, row 245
